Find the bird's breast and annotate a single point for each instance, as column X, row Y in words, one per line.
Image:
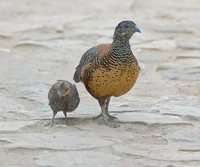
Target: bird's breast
column 112, row 79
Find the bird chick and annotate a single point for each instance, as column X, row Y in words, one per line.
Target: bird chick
column 63, row 96
column 110, row 69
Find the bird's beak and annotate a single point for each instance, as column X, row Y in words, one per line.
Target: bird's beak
column 136, row 29
column 59, row 93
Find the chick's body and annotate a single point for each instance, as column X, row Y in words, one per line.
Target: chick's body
column 63, row 96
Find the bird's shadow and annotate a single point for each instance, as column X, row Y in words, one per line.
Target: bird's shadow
column 86, row 119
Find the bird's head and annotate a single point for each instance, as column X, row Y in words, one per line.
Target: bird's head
column 125, row 30
column 63, row 90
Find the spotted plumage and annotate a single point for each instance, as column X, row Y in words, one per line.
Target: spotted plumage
column 63, row 96
column 110, row 69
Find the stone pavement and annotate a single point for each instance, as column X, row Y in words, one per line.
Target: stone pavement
column 42, row 41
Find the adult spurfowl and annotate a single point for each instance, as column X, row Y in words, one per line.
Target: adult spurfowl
column 110, row 69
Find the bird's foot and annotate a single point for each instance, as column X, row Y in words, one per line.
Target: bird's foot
column 67, row 122
column 112, row 118
column 107, row 117
column 107, row 120
column 48, row 124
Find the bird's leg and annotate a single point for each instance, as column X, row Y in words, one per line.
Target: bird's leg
column 104, row 103
column 52, row 121
column 107, row 105
column 66, row 119
column 103, row 108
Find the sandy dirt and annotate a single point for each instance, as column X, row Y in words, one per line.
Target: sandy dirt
column 42, row 41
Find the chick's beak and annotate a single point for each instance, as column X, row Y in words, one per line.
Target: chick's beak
column 59, row 93
column 136, row 29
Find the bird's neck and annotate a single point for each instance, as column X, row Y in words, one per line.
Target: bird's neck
column 121, row 50
column 120, row 42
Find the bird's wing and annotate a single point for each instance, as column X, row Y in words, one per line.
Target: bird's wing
column 50, row 95
column 89, row 56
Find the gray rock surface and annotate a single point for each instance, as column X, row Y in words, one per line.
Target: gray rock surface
column 56, row 141
column 150, row 118
column 14, row 125
column 78, row 158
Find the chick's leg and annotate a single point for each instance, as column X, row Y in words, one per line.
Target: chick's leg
column 52, row 121
column 66, row 119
